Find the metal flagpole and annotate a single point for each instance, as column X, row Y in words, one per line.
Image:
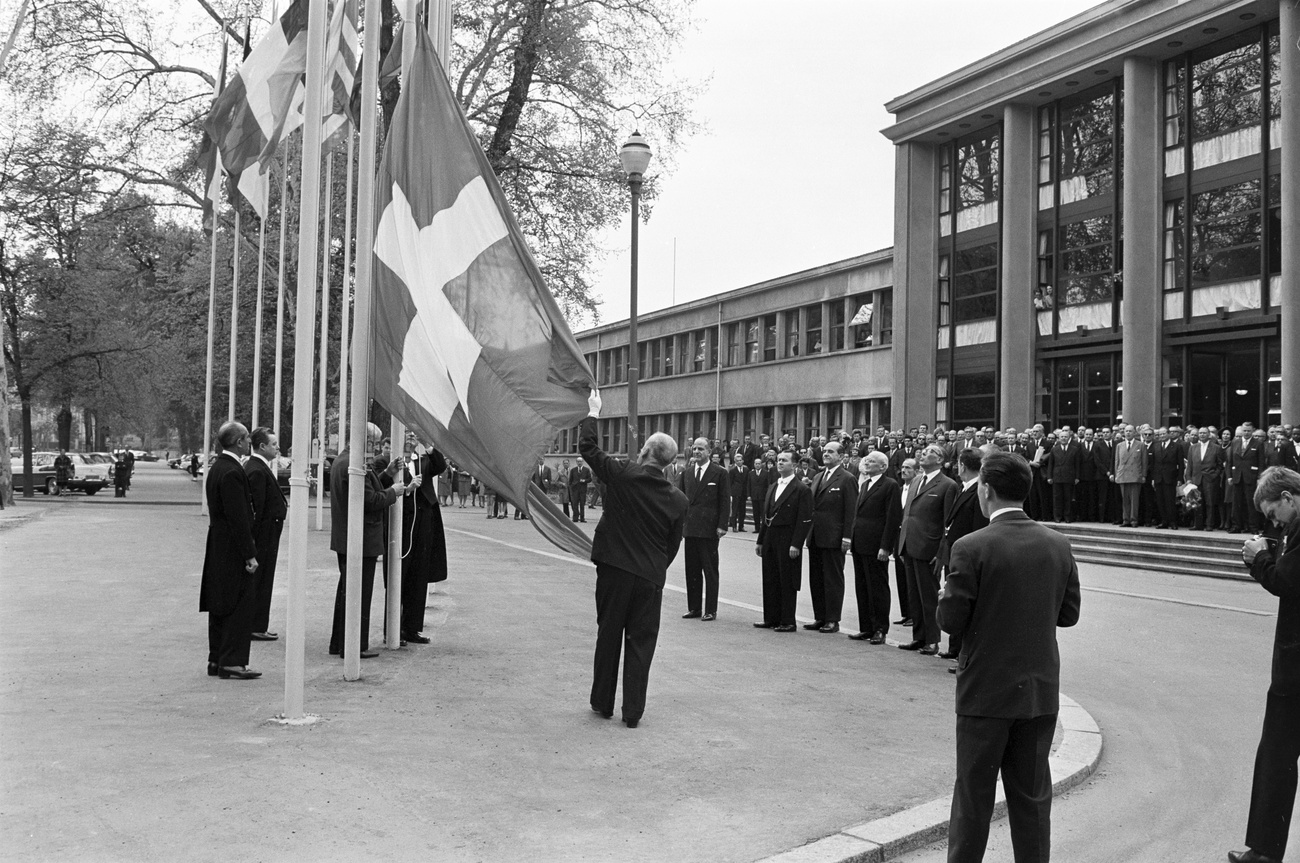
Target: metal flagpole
column 257, row 327
column 279, row 292
column 361, row 341
column 393, row 557
column 295, row 635
column 322, row 431
column 212, row 339
column 346, row 298
column 234, row 317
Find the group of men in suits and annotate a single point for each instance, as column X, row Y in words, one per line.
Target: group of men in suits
column 246, row 511
column 571, row 483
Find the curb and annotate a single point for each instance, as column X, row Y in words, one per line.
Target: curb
column 1073, row 761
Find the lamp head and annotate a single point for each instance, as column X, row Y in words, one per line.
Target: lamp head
column 635, row 155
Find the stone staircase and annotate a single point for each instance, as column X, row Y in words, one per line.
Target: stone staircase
column 1188, row 552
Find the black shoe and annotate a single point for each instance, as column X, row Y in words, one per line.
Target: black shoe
column 877, row 637
column 212, row 669
column 912, row 645
column 816, row 624
column 264, row 636
column 789, row 627
column 365, row 654
column 709, row 617
column 831, row 627
column 861, row 636
column 952, row 669
column 1249, row 856
column 243, row 672
column 415, row 638
column 690, row 614
column 631, row 723
column 906, row 621
column 948, row 654
column 608, row 714
column 930, row 650
column 762, row 625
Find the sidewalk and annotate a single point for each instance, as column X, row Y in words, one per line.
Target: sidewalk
column 479, row 746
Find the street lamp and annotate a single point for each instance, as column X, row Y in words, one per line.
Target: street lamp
column 635, row 156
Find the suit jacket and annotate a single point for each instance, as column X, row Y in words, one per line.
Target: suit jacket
column 269, row 505
column 738, row 481
column 1063, row 463
column 1093, row 463
column 230, row 536
column 897, row 457
column 1245, row 462
column 1166, row 462
column 928, row 506
column 1279, row 573
column 833, row 504
column 578, row 478
column 877, row 516
column 1009, row 587
column 710, row 500
column 1130, row 461
column 1208, row 469
column 761, row 480
column 965, row 518
column 375, row 503
column 1280, row 454
column 793, row 510
column 641, row 527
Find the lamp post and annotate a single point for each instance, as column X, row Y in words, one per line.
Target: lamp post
column 635, row 155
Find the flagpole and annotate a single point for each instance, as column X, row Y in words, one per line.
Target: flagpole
column 361, row 339
column 295, row 635
column 346, row 288
column 321, row 431
column 212, row 346
column 279, row 291
column 261, row 282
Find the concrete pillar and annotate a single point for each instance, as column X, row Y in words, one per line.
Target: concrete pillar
column 1289, row 291
column 1019, row 266
column 916, row 229
column 1143, row 226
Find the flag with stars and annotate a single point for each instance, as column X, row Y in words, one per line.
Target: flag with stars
column 469, row 348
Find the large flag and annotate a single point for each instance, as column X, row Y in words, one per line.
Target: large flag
column 470, row 349
column 248, row 118
column 341, row 72
column 210, row 158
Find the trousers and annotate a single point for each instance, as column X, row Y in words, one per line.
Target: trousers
column 627, row 621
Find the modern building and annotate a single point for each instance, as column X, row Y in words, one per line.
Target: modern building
column 1098, row 221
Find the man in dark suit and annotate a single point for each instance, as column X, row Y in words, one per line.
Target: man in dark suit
column 1205, row 471
column 1009, row 587
column 228, row 590
column 376, row 500
column 738, row 481
column 1166, row 469
column 900, row 454
column 1279, row 451
column 708, row 489
column 1245, row 462
column 1272, row 795
column 877, row 516
column 1061, row 469
column 927, row 502
column 787, row 518
column 637, row 538
column 761, row 478
column 1094, row 465
column 579, row 476
column 965, row 518
column 424, row 544
column 269, row 511
column 834, row 498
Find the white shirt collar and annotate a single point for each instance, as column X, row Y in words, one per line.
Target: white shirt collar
column 1003, row 510
column 931, row 474
column 968, row 484
column 258, row 455
column 236, row 456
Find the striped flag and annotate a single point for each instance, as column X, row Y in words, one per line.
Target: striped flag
column 341, row 73
column 470, row 349
column 210, row 157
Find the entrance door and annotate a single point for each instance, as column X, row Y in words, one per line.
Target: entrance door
column 1225, row 387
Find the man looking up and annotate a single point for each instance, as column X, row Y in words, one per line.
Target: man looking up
column 925, row 511
column 877, row 515
column 834, row 497
column 787, row 518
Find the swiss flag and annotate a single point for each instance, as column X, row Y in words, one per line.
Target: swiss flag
column 469, row 348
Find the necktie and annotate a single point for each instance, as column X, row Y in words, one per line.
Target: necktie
column 699, row 473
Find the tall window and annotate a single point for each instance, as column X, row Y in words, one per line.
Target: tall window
column 735, row 343
column 751, row 340
column 837, row 325
column 1087, row 273
column 812, row 317
column 1226, row 231
column 975, row 283
column 974, row 399
column 700, row 351
column 1087, row 147
column 669, row 356
column 769, row 338
column 1046, row 177
column 978, row 177
column 886, row 301
column 863, row 312
column 792, row 333
column 1045, row 292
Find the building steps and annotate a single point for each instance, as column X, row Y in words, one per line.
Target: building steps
column 1216, row 554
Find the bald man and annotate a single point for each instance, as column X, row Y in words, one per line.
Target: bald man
column 708, row 489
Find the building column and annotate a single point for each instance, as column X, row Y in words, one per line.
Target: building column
column 1019, row 266
column 1143, row 312
column 916, row 229
column 1289, row 291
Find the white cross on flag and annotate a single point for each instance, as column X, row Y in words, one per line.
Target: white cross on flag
column 469, row 348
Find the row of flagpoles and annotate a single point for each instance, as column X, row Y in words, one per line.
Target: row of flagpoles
column 470, row 350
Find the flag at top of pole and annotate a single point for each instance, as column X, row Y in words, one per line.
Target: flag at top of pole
column 470, row 349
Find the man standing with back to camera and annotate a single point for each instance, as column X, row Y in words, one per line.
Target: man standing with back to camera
column 1009, row 587
column 636, row 540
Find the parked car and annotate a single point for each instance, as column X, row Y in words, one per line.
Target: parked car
column 144, row 455
column 88, row 475
column 105, row 458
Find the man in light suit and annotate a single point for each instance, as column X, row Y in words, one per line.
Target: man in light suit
column 228, row 590
column 1277, row 569
column 708, row 490
column 965, row 518
column 926, row 506
column 834, row 497
column 1205, row 471
column 635, row 541
column 1129, row 472
column 878, row 514
column 1009, row 587
column 269, row 511
column 787, row 518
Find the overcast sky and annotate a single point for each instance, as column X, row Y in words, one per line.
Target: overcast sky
column 794, row 172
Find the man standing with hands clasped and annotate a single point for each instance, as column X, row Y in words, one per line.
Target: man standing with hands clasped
column 1272, row 794
column 787, row 518
column 637, row 538
column 834, row 497
column 269, row 511
column 708, row 489
column 1009, row 587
